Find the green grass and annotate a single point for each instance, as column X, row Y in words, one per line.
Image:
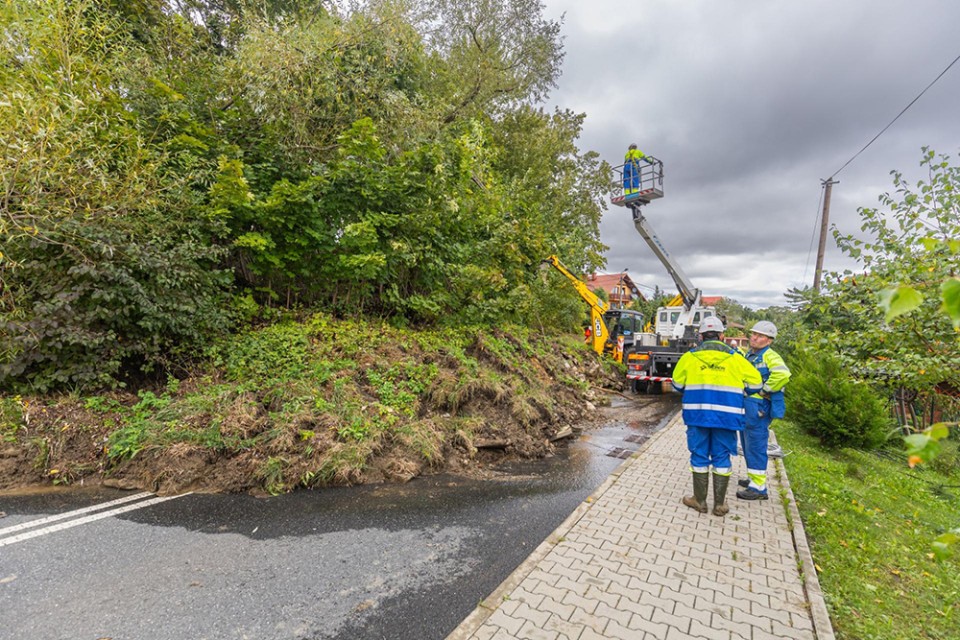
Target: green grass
column 871, row 521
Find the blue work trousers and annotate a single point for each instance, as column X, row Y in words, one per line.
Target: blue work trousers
column 711, row 446
column 755, row 438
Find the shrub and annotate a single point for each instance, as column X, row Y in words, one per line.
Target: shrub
column 826, row 402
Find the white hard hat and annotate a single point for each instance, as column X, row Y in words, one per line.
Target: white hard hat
column 765, row 328
column 711, row 323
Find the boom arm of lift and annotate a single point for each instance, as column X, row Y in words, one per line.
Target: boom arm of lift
column 600, row 333
column 691, row 295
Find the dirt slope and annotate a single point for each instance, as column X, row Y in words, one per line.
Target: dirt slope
column 315, row 411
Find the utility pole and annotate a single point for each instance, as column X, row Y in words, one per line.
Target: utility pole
column 824, row 227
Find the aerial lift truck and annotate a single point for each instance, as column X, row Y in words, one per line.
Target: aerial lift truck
column 675, row 327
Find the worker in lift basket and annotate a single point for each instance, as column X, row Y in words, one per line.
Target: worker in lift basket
column 631, row 169
column 762, row 408
column 713, row 379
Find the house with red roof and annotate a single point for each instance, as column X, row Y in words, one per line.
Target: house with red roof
column 621, row 290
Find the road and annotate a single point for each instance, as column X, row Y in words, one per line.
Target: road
column 388, row 561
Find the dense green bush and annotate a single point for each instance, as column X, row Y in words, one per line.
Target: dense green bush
column 346, row 161
column 826, row 402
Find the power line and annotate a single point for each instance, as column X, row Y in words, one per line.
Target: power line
column 895, row 119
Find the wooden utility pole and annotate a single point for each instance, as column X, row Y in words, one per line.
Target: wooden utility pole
column 824, row 227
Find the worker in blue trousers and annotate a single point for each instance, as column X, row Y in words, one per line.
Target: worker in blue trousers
column 714, row 378
column 762, row 408
column 631, row 169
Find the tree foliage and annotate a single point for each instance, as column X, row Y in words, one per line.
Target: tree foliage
column 168, row 163
column 887, row 323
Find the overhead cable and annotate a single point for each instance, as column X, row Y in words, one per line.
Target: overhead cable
column 895, row 119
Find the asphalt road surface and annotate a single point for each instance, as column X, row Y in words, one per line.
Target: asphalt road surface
column 401, row 562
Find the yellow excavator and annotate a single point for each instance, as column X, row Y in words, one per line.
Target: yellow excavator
column 623, row 323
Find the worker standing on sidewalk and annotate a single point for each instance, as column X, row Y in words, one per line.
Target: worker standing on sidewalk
column 713, row 379
column 762, row 408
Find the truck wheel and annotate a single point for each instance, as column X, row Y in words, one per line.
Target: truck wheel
column 641, row 386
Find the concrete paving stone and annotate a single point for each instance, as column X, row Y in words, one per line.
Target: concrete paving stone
column 594, row 581
column 676, row 634
column 532, row 631
column 801, row 620
column 777, row 592
column 682, row 595
column 566, row 584
column 588, row 620
column 622, row 576
column 707, row 588
column 611, row 613
column 636, row 586
column 509, row 606
column 757, row 622
column 617, row 631
column 701, row 603
column 657, row 602
column 546, row 590
column 493, row 633
column 549, row 577
column 577, row 557
column 759, row 634
column 508, row 622
column 612, row 564
column 590, row 634
column 560, row 554
column 643, row 610
column 698, row 629
column 603, row 593
column 565, row 630
column 585, row 602
column 520, row 594
column 655, row 629
column 555, row 608
column 668, row 582
column 742, row 594
column 785, row 631
column 591, row 571
column 572, row 573
column 733, row 626
column 774, row 613
column 678, row 620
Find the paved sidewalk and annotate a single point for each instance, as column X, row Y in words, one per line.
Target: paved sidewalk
column 632, row 562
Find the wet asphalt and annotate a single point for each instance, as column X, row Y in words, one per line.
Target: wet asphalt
column 399, row 562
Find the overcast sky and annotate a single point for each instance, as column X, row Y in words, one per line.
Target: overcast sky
column 750, row 104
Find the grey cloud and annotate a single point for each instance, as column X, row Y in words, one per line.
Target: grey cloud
column 750, row 104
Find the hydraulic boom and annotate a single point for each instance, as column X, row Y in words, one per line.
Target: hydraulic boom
column 691, row 295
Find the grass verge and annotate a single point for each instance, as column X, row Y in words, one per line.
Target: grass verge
column 871, row 521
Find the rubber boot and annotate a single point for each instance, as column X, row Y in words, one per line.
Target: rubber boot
column 698, row 500
column 720, row 494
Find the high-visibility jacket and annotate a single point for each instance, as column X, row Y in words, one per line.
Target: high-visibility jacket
column 775, row 375
column 631, row 169
column 714, row 378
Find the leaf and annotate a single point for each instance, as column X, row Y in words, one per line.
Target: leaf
column 939, row 431
column 950, row 294
column 898, row 301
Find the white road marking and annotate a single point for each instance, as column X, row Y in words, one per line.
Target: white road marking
column 71, row 514
column 73, row 523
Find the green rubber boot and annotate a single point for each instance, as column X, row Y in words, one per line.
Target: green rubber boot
column 698, row 500
column 720, row 494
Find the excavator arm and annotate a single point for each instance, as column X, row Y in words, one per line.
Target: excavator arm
column 600, row 333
